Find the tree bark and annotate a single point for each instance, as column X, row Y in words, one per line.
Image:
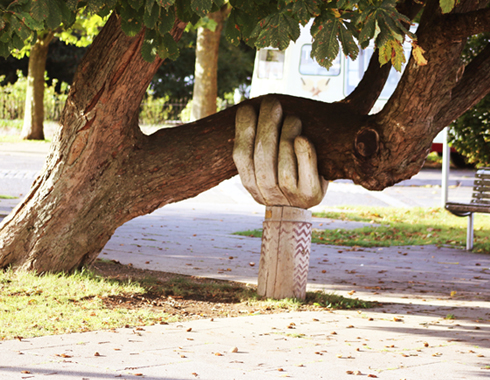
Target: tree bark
column 33, row 127
column 205, row 90
column 102, row 171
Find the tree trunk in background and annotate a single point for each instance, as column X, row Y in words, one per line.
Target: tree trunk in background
column 206, row 70
column 34, row 105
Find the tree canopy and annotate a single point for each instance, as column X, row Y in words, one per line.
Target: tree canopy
column 259, row 23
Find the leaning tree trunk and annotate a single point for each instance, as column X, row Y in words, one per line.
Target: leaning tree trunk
column 102, row 171
column 205, row 90
column 33, row 128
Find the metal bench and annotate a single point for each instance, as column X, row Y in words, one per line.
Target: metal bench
column 480, row 202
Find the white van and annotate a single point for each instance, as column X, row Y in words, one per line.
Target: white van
column 294, row 72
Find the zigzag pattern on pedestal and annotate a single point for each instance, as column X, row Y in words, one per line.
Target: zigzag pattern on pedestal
column 302, row 237
column 267, row 236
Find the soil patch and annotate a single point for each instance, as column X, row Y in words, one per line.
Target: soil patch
column 190, row 297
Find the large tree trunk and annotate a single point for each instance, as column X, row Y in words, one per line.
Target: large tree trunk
column 102, row 171
column 205, row 90
column 33, row 128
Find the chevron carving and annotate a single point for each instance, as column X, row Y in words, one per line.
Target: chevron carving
column 302, row 238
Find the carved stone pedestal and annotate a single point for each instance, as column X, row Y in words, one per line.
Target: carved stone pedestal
column 285, row 252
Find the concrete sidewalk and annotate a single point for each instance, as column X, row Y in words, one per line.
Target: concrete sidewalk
column 407, row 338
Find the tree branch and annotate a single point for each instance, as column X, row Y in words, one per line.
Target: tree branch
column 374, row 79
column 462, row 25
column 471, row 88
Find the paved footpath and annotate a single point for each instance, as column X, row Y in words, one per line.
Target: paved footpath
column 408, row 337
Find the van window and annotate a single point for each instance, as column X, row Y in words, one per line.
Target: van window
column 309, row 65
column 271, row 64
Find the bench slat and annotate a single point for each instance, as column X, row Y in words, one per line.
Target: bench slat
column 468, row 207
column 480, row 195
column 482, row 187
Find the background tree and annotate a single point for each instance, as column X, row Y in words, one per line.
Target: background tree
column 206, row 68
column 79, row 33
column 103, row 171
column 175, row 79
column 470, row 134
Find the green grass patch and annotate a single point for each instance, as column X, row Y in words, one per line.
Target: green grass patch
column 51, row 304
column 7, row 197
column 17, row 139
column 33, row 305
column 399, row 226
column 14, row 124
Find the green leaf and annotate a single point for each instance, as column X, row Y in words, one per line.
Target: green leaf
column 16, row 42
column 151, row 14
column 4, row 50
column 232, row 28
column 276, row 31
column 304, row 10
column 20, row 29
column 72, row 4
column 94, row 6
column 149, row 47
column 39, row 10
column 349, row 46
column 54, row 17
column 325, row 47
column 168, row 48
column 131, row 27
column 135, row 4
column 368, row 29
column 166, row 3
column 201, row 7
column 166, row 21
column 342, row 3
column 447, row 5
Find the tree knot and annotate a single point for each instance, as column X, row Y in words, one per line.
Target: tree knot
column 367, row 142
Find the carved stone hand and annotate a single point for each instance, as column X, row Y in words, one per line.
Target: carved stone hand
column 276, row 165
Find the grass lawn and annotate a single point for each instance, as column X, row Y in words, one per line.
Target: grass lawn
column 400, row 226
column 114, row 296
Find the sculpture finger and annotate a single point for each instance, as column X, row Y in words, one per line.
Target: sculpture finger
column 287, row 165
column 243, row 149
column 311, row 185
column 266, row 150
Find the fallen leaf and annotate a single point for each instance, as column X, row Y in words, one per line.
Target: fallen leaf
column 371, row 375
column 189, row 329
column 234, row 349
column 96, row 354
column 218, row 354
